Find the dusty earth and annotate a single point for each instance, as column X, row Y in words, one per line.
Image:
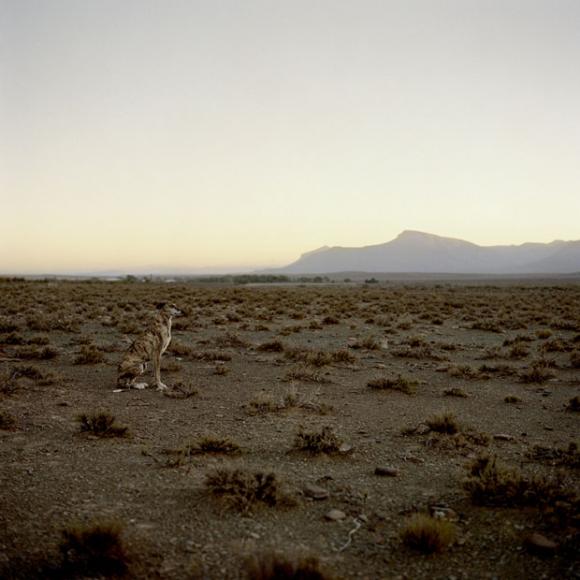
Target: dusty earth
column 254, row 366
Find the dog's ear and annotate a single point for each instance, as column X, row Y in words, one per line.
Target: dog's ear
column 160, row 305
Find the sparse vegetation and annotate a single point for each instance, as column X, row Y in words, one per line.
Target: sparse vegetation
column 574, row 404
column 101, row 424
column 94, row 550
column 445, row 423
column 244, row 490
column 455, row 392
column 89, row 355
column 323, row 441
column 401, row 383
column 491, row 484
column 539, row 372
column 512, row 399
column 427, row 534
column 275, row 566
column 6, row 420
column 319, row 361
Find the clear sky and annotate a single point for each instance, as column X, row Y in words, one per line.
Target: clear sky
column 240, row 133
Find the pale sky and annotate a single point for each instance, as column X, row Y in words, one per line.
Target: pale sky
column 240, row 133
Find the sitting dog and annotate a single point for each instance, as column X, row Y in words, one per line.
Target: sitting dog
column 148, row 348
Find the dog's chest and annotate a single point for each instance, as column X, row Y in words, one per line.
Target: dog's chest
column 166, row 337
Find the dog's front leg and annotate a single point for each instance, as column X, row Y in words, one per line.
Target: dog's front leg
column 157, row 369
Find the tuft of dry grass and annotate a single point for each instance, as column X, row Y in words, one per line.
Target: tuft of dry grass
column 427, row 534
column 539, row 372
column 455, row 392
column 491, row 484
column 512, row 399
column 208, row 445
column 89, row 354
column 306, row 374
column 243, row 489
column 181, row 390
column 94, row 550
column 401, row 383
column 272, row 346
column 6, row 420
column 574, row 404
column 445, row 423
column 317, row 442
column 101, row 424
column 38, row 353
column 276, row 566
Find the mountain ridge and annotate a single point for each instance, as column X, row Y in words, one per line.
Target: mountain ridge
column 414, row 251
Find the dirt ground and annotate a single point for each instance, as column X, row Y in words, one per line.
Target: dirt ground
column 255, row 367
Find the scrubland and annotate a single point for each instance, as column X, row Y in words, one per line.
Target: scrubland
column 319, row 431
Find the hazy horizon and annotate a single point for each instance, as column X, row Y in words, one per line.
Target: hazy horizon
column 235, row 136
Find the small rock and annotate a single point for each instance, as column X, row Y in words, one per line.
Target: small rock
column 387, row 471
column 539, row 544
column 441, row 369
column 345, row 448
column 503, row 437
column 315, row 491
column 334, row 515
column 548, row 428
column 440, row 512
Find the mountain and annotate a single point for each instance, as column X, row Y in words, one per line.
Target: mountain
column 418, row 252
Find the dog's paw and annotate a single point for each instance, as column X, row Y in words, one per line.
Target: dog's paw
column 140, row 386
column 161, row 387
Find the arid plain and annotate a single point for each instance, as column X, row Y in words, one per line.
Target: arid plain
column 320, row 431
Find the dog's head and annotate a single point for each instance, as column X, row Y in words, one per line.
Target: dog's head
column 169, row 308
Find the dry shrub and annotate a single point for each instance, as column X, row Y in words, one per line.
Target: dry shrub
column 243, row 490
column 178, row 349
column 464, row 372
column 230, row 339
column 213, row 355
column 556, row 456
column 316, row 442
column 7, row 326
column 33, row 352
column 455, row 392
column 276, row 566
column 574, row 404
column 305, row 374
column 89, row 354
column 486, row 325
column 6, row 420
column 539, row 372
column 272, row 346
column 101, row 424
column 491, row 484
column 427, row 534
column 181, row 390
column 401, row 383
column 445, row 423
column 367, row 343
column 94, row 550
column 263, row 403
column 512, row 399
